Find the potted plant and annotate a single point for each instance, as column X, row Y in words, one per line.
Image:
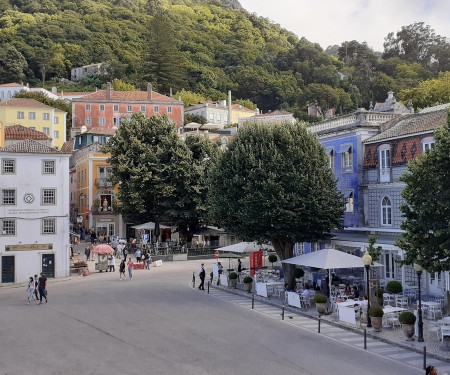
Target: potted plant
column 376, row 316
column 232, row 277
column 407, row 319
column 321, row 303
column 379, row 294
column 248, row 283
column 272, row 259
column 394, row 287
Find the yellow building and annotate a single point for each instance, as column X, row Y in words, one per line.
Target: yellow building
column 240, row 112
column 2, row 135
column 35, row 115
column 94, row 196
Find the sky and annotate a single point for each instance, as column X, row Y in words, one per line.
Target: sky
column 330, row 22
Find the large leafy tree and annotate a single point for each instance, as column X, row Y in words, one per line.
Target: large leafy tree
column 12, row 64
column 154, row 168
column 273, row 184
column 427, row 208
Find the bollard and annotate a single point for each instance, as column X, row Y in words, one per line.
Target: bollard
column 253, row 301
column 193, row 279
column 365, row 339
column 424, row 357
column 318, row 329
column 282, row 313
column 208, row 287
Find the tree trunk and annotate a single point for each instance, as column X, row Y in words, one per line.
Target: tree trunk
column 283, row 248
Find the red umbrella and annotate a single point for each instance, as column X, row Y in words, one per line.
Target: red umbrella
column 103, row 249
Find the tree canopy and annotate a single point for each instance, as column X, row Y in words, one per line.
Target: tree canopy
column 427, row 207
column 273, row 184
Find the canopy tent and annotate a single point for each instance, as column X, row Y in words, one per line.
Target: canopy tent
column 244, row 247
column 229, row 256
column 149, row 226
column 103, row 249
column 328, row 259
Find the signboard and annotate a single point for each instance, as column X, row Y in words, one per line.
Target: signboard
column 146, row 237
column 30, row 247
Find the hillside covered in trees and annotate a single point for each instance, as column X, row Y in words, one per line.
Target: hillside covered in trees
column 209, row 47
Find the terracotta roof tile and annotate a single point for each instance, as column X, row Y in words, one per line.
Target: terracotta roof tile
column 67, row 146
column 13, row 84
column 126, row 96
column 23, row 102
column 101, row 130
column 29, row 146
column 22, row 132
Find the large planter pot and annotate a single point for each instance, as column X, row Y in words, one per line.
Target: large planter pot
column 233, row 283
column 248, row 287
column 409, row 331
column 377, row 322
column 321, row 308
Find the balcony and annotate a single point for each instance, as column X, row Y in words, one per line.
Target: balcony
column 103, row 182
column 102, row 210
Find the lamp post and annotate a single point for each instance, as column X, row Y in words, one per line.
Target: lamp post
column 367, row 261
column 418, row 268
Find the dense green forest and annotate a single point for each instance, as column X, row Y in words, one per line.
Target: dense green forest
column 207, row 48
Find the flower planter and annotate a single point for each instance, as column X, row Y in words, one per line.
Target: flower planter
column 248, row 287
column 377, row 322
column 409, row 331
column 233, row 283
column 321, row 308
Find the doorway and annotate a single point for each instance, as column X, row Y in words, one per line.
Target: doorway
column 48, row 265
column 8, row 269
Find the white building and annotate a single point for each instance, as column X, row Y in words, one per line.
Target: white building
column 34, row 212
column 270, row 117
column 77, row 73
column 8, row 90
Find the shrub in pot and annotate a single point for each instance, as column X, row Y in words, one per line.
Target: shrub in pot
column 394, row 287
column 321, row 303
column 379, row 294
column 297, row 273
column 248, row 282
column 407, row 319
column 272, row 259
column 376, row 316
column 233, row 276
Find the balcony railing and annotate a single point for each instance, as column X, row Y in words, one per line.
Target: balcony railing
column 102, row 210
column 103, row 182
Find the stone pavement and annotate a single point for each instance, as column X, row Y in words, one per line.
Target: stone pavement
column 388, row 343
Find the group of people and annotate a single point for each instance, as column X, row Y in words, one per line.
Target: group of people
column 123, row 266
column 36, row 285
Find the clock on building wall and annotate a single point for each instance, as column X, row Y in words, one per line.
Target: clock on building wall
column 28, row 198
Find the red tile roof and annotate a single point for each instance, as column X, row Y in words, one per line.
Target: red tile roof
column 242, row 108
column 29, row 146
column 13, row 84
column 67, row 146
column 23, row 102
column 126, row 96
column 101, row 130
column 22, row 132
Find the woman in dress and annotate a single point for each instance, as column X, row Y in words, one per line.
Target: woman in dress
column 30, row 290
column 122, row 270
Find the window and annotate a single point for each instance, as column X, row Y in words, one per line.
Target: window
column 46, row 116
column 389, row 263
column 349, row 201
column 116, row 121
column 129, row 108
column 116, row 108
column 49, row 226
column 102, row 107
column 88, row 107
column 218, row 117
column 385, row 164
column 211, row 116
column 8, row 227
column 56, row 120
column 31, row 115
column 156, row 108
column 9, row 197
column 20, row 115
column 8, row 166
column 315, row 246
column 48, row 167
column 428, row 144
column 225, row 119
column 46, row 131
column 386, row 211
column 102, row 121
column 346, row 158
column 87, row 120
column 330, row 156
column 143, row 108
column 48, row 196
column 169, row 109
column 56, row 134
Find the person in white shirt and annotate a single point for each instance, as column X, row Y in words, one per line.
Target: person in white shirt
column 112, row 263
column 306, row 291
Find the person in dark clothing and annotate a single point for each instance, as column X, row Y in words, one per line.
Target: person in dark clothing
column 202, row 275
column 42, row 286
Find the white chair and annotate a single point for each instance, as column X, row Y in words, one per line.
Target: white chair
column 402, row 302
column 392, row 319
column 305, row 302
column 434, row 312
column 388, row 300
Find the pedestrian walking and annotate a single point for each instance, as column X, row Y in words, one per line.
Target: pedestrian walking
column 30, row 290
column 112, row 263
column 202, row 274
column 122, row 270
column 42, row 288
column 130, row 268
column 138, row 256
column 220, row 271
column 87, row 252
column 431, row 370
column 125, row 253
column 36, row 284
column 148, row 258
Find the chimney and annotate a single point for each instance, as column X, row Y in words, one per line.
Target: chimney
column 170, row 92
column 108, row 90
column 149, row 92
column 229, row 107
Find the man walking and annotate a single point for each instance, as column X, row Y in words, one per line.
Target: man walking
column 202, row 274
column 42, row 288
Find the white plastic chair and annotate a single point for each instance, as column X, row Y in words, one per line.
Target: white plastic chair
column 402, row 302
column 434, row 312
column 392, row 319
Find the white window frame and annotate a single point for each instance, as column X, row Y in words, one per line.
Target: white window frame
column 31, row 115
column 428, row 143
column 101, row 107
column 20, row 115
column 12, row 228
column 143, row 109
column 386, row 212
column 12, row 164
column 169, row 109
column 116, row 121
column 385, row 163
column 330, row 157
column 102, row 121
column 56, row 134
column 389, row 265
column 87, row 120
column 116, row 108
column 88, row 107
column 7, row 199
column 347, row 158
column 48, row 226
column 56, row 120
column 46, row 131
column 156, row 109
column 46, row 116
column 349, row 201
column 46, row 169
column 129, row 108
column 48, row 197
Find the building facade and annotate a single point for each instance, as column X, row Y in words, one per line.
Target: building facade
column 270, row 117
column 34, row 212
column 78, row 73
column 36, row 116
column 109, row 108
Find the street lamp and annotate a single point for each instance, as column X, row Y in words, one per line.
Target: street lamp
column 418, row 268
column 367, row 261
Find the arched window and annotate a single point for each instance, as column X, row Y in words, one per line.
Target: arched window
column 386, row 211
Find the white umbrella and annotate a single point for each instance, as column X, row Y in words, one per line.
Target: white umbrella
column 243, row 247
column 149, row 226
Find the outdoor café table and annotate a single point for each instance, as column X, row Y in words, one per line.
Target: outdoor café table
column 391, row 309
column 346, row 311
column 263, row 289
column 444, row 321
column 431, row 304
